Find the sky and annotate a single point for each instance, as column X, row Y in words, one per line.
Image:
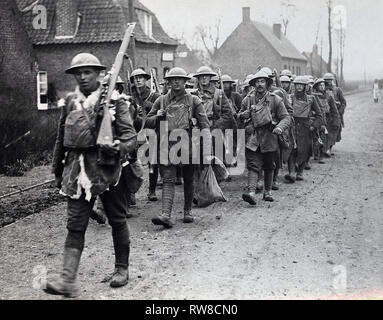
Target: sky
column 364, row 41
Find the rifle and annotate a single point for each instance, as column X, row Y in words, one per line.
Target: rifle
column 154, row 82
column 277, row 79
column 105, row 134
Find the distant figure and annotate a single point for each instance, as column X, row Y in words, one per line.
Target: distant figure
column 375, row 91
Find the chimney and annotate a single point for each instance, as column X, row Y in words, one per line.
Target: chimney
column 277, row 29
column 246, row 14
column 66, row 18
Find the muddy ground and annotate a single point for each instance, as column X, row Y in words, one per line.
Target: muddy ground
column 321, row 239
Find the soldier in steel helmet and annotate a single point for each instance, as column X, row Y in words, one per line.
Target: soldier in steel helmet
column 337, row 93
column 235, row 98
column 179, row 110
column 286, row 101
column 264, row 117
column 304, row 106
column 82, row 178
column 144, row 99
column 215, row 102
column 331, row 119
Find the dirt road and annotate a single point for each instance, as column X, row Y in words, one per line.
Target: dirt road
column 322, row 238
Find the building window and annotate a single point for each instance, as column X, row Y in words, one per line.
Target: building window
column 146, row 22
column 293, row 70
column 42, row 90
column 298, row 71
column 285, row 67
column 167, row 56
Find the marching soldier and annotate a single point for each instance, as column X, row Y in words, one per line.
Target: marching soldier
column 265, row 117
column 165, row 109
column 286, row 101
column 216, row 104
column 235, row 98
column 144, row 98
column 304, row 106
column 338, row 96
column 331, row 119
column 82, row 178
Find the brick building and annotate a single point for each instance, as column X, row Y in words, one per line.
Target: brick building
column 17, row 80
column 252, row 44
column 190, row 60
column 95, row 26
column 316, row 65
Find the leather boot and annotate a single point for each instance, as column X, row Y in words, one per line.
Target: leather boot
column 249, row 197
column 152, row 196
column 163, row 220
column 188, row 218
column 268, row 183
column 299, row 176
column 66, row 284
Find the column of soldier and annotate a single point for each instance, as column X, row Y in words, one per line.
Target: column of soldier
column 286, row 120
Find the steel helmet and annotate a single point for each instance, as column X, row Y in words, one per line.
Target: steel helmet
column 139, row 72
column 260, row 74
column 285, row 79
column 268, row 71
column 84, row 60
column 310, row 80
column 227, row 78
column 214, row 79
column 318, row 82
column 300, row 80
column 177, row 73
column 287, row 73
column 205, row 71
column 329, row 76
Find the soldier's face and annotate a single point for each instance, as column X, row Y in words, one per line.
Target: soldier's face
column 87, row 78
column 299, row 87
column 204, row 80
column 141, row 81
column 328, row 83
column 227, row 86
column 177, row 84
column 321, row 87
column 286, row 86
column 261, row 85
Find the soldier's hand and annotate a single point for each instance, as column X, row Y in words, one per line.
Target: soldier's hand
column 278, row 131
column 161, row 113
column 246, row 114
column 58, row 181
column 111, row 149
column 312, row 129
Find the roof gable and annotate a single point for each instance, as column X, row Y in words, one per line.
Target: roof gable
column 101, row 21
column 283, row 45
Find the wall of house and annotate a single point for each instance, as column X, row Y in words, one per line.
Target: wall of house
column 297, row 67
column 244, row 51
column 17, row 81
column 56, row 58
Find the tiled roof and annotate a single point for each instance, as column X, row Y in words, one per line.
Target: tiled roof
column 101, row 21
column 283, row 46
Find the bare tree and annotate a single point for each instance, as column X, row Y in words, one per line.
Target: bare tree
column 210, row 37
column 329, row 8
column 288, row 14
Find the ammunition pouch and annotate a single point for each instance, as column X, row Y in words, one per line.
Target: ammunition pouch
column 79, row 132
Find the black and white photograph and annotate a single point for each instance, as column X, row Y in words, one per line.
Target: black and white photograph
column 209, row 152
